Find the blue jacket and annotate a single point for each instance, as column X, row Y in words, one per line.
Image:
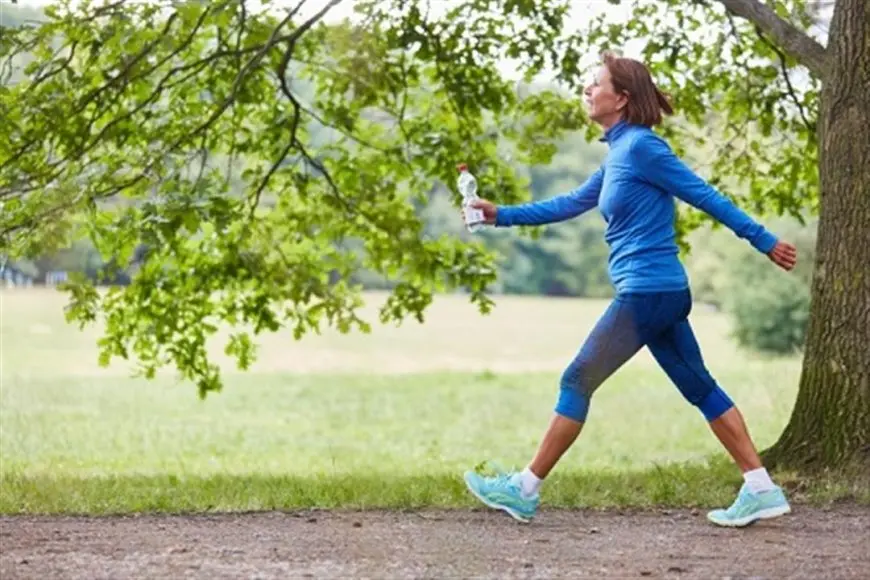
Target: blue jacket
column 634, row 190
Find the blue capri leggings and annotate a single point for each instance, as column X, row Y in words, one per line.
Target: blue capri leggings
column 657, row 320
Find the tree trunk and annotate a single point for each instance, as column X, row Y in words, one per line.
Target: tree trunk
column 830, row 424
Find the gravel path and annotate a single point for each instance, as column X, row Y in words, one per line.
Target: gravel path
column 812, row 543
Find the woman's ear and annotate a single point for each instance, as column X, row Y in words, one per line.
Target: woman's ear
column 622, row 101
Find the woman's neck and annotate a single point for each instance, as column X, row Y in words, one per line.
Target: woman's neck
column 606, row 124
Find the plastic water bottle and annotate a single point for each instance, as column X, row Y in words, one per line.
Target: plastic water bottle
column 467, row 185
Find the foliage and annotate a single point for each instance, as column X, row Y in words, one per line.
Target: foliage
column 770, row 309
column 150, row 93
column 269, row 165
column 772, row 317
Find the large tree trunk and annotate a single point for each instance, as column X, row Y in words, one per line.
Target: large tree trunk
column 830, row 423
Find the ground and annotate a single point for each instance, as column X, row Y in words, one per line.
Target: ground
column 813, row 542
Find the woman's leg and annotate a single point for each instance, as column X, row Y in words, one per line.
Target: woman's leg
column 731, row 430
column 678, row 353
column 613, row 341
column 559, row 437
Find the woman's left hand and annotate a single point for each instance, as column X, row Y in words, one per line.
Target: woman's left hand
column 783, row 255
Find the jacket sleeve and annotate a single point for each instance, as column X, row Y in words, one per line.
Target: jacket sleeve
column 555, row 209
column 661, row 167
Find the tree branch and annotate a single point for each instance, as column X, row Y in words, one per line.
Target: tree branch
column 783, row 65
column 811, row 127
column 299, row 6
column 41, row 74
column 273, row 39
column 205, row 154
column 88, row 143
column 792, row 40
column 291, row 40
column 356, row 139
column 291, row 143
column 93, row 95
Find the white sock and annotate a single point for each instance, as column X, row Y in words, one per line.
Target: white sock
column 758, row 480
column 530, row 483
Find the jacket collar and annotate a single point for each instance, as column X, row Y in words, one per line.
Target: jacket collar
column 613, row 133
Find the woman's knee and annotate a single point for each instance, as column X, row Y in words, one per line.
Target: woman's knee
column 574, row 393
column 714, row 404
column 706, row 395
column 573, row 404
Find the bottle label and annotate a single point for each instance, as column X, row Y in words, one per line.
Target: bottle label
column 473, row 216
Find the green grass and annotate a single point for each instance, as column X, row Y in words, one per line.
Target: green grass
column 388, row 420
column 692, row 485
column 339, row 425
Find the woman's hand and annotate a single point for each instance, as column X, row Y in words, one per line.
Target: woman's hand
column 783, row 255
column 488, row 208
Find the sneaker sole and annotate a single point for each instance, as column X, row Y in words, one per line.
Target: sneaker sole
column 510, row 511
column 765, row 514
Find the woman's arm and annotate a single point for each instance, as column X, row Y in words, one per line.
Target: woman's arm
column 555, row 209
column 661, row 167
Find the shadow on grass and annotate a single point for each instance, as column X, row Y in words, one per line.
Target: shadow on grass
column 699, row 485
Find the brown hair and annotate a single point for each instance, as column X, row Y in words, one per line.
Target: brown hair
column 646, row 102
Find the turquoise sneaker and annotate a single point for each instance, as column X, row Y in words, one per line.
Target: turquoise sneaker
column 503, row 492
column 750, row 507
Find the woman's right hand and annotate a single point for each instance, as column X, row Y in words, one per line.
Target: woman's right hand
column 489, row 210
column 784, row 255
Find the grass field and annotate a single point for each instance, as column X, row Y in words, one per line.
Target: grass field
column 390, row 419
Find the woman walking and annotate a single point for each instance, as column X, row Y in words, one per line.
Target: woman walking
column 634, row 190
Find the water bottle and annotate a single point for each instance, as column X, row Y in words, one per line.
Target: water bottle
column 467, row 185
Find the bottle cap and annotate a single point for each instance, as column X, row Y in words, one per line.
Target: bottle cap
column 462, row 167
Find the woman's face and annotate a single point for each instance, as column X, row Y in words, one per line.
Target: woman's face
column 604, row 104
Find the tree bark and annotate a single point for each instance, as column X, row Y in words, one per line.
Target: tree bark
column 830, row 423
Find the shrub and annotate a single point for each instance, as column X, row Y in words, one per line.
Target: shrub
column 770, row 314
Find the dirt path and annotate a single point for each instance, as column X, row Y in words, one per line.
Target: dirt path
column 811, row 543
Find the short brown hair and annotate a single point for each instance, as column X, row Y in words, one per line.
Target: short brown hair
column 646, row 102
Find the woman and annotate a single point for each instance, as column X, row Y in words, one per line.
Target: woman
column 634, row 190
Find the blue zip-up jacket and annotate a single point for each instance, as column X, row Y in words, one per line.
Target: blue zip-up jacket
column 634, row 190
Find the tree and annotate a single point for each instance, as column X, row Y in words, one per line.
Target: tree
column 132, row 120
column 830, row 424
column 149, row 93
